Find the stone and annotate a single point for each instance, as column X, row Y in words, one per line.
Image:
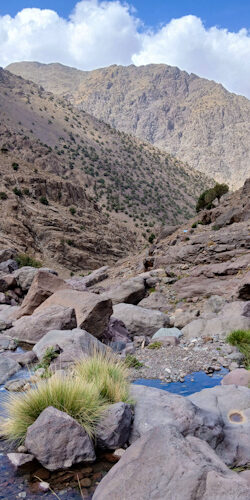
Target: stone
column 140, row 340
column 15, row 385
column 167, row 332
column 22, row 449
column 116, row 331
column 246, row 310
column 129, row 292
column 8, row 367
column 24, row 277
column 163, row 465
column 92, row 311
column 7, row 253
column 172, row 409
column 57, row 441
column 140, row 321
column 25, row 358
column 7, row 343
column 214, row 304
column 168, row 340
column 82, row 283
column 232, row 404
column 44, row 284
column 7, row 315
column 113, row 428
column 240, row 376
column 155, row 300
column 20, row 459
column 8, row 266
column 7, row 282
column 119, row 453
column 244, row 290
column 245, row 474
column 33, row 328
column 182, row 318
column 73, row 344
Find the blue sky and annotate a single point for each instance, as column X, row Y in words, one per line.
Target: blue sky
column 230, row 14
column 210, row 38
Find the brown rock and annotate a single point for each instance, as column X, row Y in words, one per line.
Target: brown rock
column 43, row 286
column 92, row 311
column 240, row 376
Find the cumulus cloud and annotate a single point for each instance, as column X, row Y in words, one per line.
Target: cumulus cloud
column 100, row 33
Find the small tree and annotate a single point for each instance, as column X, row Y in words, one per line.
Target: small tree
column 207, row 197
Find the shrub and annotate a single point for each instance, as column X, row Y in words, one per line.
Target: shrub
column 155, row 345
column 3, row 195
column 15, row 166
column 43, row 200
column 241, row 339
column 151, row 237
column 72, row 210
column 207, row 197
column 80, row 401
column 132, row 362
column 108, row 374
column 48, row 356
column 194, row 225
column 17, row 192
column 24, row 259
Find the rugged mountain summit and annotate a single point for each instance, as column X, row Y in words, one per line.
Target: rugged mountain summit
column 190, row 117
column 75, row 190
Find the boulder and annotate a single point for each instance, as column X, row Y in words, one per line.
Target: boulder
column 20, row 459
column 24, row 277
column 82, row 283
column 8, row 367
column 173, row 409
column 230, row 318
column 44, row 284
column 246, row 310
column 92, row 311
column 73, row 344
column 113, row 429
column 7, row 315
column 129, row 292
column 7, row 343
column 16, row 385
column 182, row 318
column 232, row 404
column 8, row 266
column 164, row 465
column 116, row 331
column 140, row 321
column 7, row 282
column 57, row 441
column 245, row 474
column 7, row 253
column 33, row 328
column 240, row 376
column 244, row 289
column 167, row 332
column 155, row 300
column 214, row 304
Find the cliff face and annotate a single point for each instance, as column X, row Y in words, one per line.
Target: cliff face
column 75, row 192
column 192, row 118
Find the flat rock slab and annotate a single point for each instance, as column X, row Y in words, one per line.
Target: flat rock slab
column 164, row 465
column 140, row 321
column 8, row 367
column 167, row 332
column 57, row 441
column 232, row 404
column 155, row 407
column 33, row 328
column 92, row 310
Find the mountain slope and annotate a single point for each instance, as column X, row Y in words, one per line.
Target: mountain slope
column 83, row 193
column 192, row 118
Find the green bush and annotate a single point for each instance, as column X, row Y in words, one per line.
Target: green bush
column 48, row 356
column 132, row 362
column 155, row 345
column 194, row 225
column 241, row 339
column 24, row 259
column 17, row 192
column 15, row 166
column 207, row 197
column 72, row 210
column 43, row 200
column 3, row 195
column 151, row 237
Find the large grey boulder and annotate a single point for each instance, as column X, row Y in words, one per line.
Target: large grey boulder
column 116, row 331
column 129, row 292
column 164, row 465
column 230, row 318
column 33, row 328
column 156, row 407
column 92, row 310
column 232, row 404
column 140, row 321
column 7, row 315
column 74, row 344
column 155, row 300
column 8, row 367
column 7, row 253
column 113, row 429
column 24, row 277
column 9, row 266
column 167, row 332
column 57, row 441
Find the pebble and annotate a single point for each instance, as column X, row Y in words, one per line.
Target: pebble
column 44, row 486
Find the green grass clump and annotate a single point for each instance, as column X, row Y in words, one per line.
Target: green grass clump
column 24, row 259
column 108, row 374
column 80, row 401
column 132, row 362
column 48, row 356
column 241, row 339
column 155, row 345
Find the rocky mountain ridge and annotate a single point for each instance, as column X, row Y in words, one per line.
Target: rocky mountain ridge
column 190, row 117
column 76, row 191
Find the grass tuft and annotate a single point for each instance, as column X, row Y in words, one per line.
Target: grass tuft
column 241, row 339
column 155, row 345
column 24, row 259
column 132, row 362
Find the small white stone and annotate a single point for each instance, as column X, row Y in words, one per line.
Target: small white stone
column 44, row 486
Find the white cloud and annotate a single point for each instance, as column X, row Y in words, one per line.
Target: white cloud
column 100, row 33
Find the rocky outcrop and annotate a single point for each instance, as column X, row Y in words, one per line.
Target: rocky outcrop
column 163, row 464
column 92, row 311
column 58, row 441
